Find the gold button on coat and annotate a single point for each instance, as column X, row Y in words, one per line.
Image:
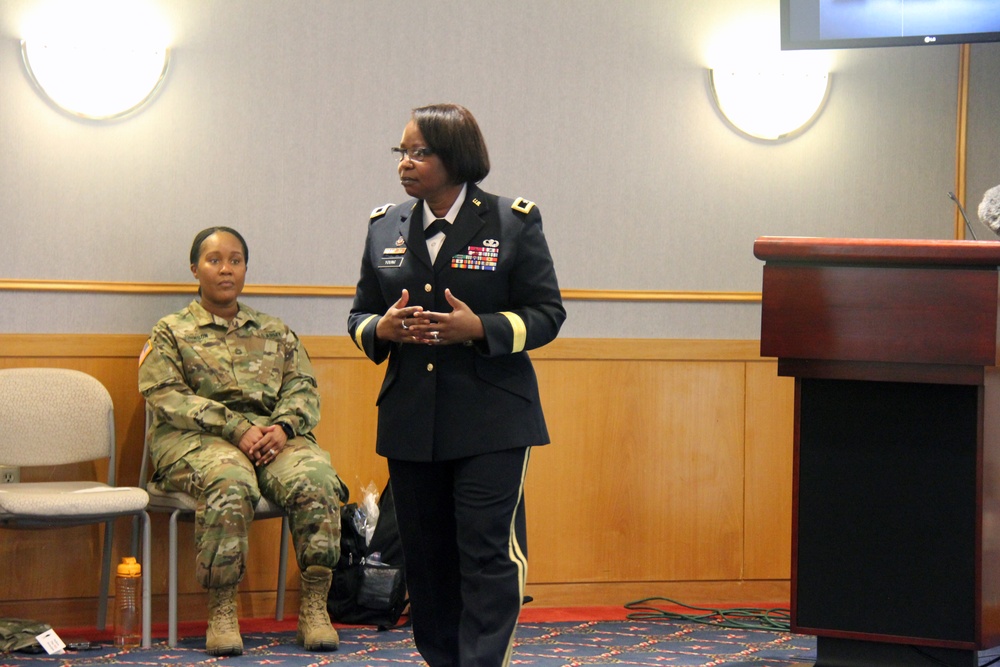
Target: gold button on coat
column 430, row 367
column 427, row 287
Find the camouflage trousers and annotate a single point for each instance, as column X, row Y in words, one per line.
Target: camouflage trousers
column 227, row 487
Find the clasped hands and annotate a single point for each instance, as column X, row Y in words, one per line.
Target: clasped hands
column 262, row 444
column 413, row 324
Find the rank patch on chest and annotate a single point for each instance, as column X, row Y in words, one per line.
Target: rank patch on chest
column 479, row 258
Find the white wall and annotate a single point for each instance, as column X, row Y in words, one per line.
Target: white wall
column 276, row 118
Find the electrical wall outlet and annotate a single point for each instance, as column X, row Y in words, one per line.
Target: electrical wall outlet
column 10, row 474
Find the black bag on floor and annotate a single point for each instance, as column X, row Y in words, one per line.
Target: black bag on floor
column 369, row 587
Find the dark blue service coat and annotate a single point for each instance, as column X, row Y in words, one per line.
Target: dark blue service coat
column 453, row 401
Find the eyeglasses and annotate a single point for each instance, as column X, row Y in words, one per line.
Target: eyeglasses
column 415, row 154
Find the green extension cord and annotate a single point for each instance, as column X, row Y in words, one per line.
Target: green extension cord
column 738, row 619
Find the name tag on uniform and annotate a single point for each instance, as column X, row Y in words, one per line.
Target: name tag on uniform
column 392, row 258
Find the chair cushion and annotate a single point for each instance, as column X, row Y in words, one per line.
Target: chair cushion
column 160, row 500
column 168, row 501
column 53, row 500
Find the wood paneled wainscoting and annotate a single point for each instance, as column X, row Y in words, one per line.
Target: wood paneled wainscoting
column 669, row 474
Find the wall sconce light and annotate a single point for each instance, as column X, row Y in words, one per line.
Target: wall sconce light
column 97, row 60
column 769, row 105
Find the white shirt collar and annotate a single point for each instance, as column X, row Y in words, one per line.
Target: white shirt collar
column 452, row 213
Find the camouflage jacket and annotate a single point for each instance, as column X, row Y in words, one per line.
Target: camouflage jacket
column 201, row 375
column 17, row 634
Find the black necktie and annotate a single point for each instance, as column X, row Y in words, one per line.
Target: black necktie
column 439, row 225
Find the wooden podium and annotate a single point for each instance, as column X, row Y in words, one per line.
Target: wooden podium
column 896, row 508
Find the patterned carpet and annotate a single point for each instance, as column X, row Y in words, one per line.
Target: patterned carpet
column 538, row 644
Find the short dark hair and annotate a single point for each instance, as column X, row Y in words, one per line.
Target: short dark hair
column 452, row 132
column 205, row 233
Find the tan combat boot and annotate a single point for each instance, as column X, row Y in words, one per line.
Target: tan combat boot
column 223, row 635
column 315, row 632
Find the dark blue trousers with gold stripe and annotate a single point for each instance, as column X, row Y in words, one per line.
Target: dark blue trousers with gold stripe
column 462, row 525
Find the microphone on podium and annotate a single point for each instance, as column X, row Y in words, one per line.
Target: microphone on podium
column 989, row 209
column 961, row 209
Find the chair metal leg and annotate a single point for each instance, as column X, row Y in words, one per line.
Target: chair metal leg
column 147, row 605
column 279, row 608
column 172, row 584
column 102, row 606
column 279, row 604
column 136, row 534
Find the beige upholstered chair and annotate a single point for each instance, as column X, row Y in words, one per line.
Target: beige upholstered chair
column 52, row 417
column 181, row 506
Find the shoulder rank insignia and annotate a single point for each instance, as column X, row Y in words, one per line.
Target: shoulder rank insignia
column 522, row 205
column 380, row 211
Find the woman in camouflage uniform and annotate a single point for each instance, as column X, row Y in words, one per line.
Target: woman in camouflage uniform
column 234, row 402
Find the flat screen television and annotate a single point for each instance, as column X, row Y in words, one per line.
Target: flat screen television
column 843, row 24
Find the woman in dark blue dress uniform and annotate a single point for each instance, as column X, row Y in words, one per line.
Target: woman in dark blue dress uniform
column 456, row 285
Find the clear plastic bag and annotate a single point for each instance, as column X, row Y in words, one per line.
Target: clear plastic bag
column 367, row 515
